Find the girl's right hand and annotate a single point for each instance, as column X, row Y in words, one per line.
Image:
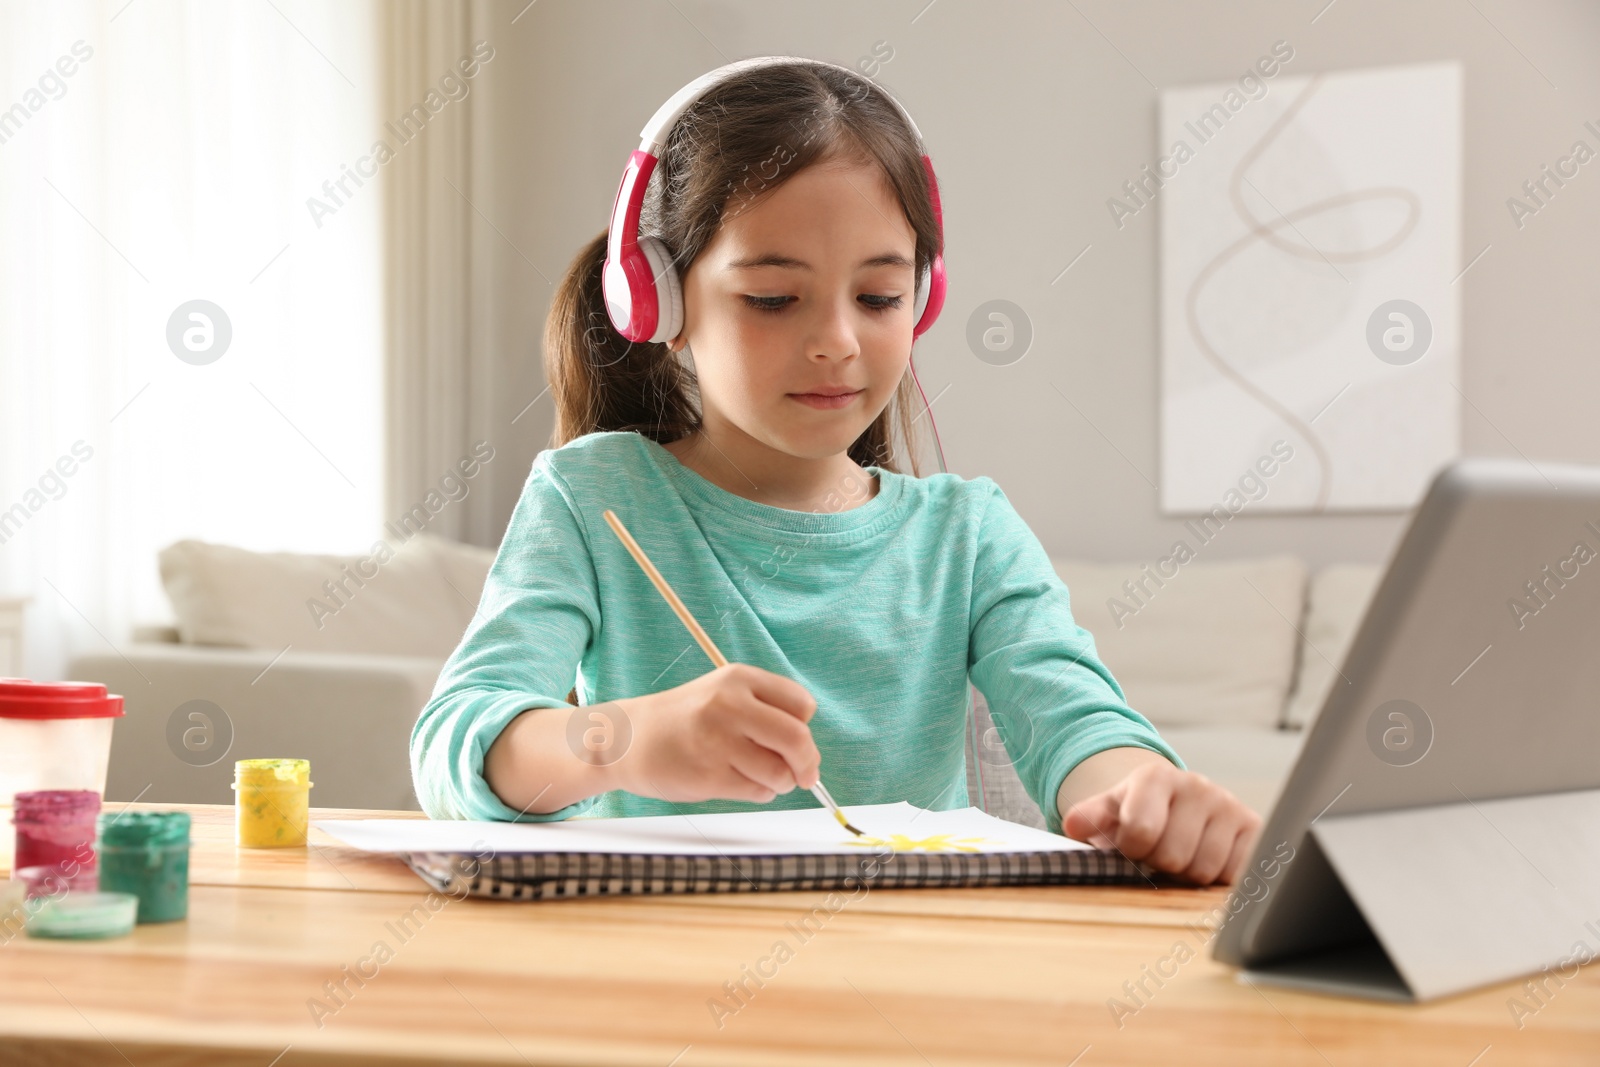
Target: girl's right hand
column 737, row 733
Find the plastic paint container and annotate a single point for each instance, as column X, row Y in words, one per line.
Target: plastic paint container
column 147, row 854
column 54, row 735
column 55, row 829
column 272, row 801
column 83, row 915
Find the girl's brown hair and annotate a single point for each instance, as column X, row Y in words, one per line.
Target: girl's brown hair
column 739, row 142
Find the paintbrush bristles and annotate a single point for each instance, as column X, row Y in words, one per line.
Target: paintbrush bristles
column 820, row 791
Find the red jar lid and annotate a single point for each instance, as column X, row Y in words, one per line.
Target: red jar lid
column 22, row 699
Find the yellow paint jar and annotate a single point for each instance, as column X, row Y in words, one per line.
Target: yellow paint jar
column 272, row 801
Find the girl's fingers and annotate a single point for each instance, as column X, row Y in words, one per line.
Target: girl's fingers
column 762, row 767
column 1189, row 818
column 785, row 694
column 1212, row 854
column 1176, row 821
column 1143, row 816
column 1243, row 845
column 739, row 786
column 1094, row 821
column 786, row 737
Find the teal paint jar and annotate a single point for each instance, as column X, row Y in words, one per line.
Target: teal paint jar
column 147, row 854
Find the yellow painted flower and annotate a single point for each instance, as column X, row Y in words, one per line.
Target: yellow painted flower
column 905, row 843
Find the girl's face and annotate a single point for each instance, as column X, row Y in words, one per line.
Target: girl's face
column 798, row 313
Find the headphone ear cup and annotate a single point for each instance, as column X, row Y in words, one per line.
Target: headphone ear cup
column 669, row 291
column 921, row 300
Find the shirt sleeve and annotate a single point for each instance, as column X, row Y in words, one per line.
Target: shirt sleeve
column 1053, row 702
column 538, row 614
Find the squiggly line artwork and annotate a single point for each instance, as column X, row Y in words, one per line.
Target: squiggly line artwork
column 1269, row 233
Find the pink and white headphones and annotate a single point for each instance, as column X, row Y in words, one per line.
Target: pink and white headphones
column 643, row 294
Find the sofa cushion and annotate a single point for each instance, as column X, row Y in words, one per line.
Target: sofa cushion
column 412, row 600
column 1198, row 642
column 465, row 567
column 1338, row 599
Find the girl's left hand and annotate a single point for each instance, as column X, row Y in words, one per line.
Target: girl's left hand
column 1175, row 821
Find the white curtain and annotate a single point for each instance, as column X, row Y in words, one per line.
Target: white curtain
column 440, row 58
column 154, row 153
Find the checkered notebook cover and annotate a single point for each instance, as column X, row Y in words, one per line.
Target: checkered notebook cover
column 561, row 875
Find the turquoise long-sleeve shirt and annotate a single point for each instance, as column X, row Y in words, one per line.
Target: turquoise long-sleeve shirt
column 881, row 610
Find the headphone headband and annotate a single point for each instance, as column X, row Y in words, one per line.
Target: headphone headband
column 643, row 292
column 653, row 138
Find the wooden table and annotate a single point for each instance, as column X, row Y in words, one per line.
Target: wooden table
column 905, row 977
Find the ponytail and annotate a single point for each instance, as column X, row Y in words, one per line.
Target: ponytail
column 602, row 381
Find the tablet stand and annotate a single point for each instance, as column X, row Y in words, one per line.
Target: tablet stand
column 1455, row 896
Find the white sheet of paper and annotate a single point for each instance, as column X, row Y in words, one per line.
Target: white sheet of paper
column 807, row 831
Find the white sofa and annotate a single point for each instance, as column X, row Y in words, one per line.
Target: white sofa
column 323, row 657
column 1229, row 659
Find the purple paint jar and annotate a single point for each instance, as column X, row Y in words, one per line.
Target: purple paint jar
column 56, row 829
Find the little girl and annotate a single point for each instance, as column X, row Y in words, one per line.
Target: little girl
column 750, row 451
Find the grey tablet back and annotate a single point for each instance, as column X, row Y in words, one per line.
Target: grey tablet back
column 1475, row 675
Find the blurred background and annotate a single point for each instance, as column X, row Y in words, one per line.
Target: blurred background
column 273, row 271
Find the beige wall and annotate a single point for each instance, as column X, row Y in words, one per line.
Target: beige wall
column 1033, row 118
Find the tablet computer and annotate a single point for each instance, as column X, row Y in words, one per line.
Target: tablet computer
column 1441, row 827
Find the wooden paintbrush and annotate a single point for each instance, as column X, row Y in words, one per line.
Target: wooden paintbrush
column 700, row 636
